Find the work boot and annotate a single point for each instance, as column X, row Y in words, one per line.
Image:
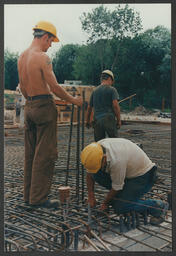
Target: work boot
column 154, row 220
column 48, row 204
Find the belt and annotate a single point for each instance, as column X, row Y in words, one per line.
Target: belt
column 37, row 97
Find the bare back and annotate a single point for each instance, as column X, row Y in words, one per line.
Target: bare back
column 32, row 81
column 36, row 74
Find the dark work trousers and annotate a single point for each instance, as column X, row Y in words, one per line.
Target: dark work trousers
column 40, row 149
column 128, row 199
column 106, row 124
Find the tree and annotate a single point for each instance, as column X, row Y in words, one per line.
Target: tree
column 132, row 64
column 114, row 25
column 63, row 62
column 87, row 66
column 145, row 67
column 165, row 79
column 159, row 37
column 11, row 70
column 158, row 62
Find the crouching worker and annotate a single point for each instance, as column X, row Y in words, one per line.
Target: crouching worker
column 125, row 170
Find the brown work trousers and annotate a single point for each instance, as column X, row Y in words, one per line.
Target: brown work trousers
column 40, row 149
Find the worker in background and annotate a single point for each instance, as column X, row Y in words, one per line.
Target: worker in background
column 125, row 170
column 22, row 101
column 104, row 104
column 17, row 110
column 17, row 106
column 37, row 82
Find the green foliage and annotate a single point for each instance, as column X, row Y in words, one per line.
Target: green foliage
column 158, row 57
column 143, row 66
column 167, row 110
column 102, row 24
column 86, row 66
column 63, row 62
column 140, row 62
column 159, row 37
column 90, row 62
column 11, row 70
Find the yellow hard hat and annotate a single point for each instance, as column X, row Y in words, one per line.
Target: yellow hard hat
column 91, row 157
column 109, row 72
column 48, row 27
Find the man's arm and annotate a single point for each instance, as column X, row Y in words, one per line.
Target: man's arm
column 116, row 108
column 90, row 188
column 111, row 194
column 89, row 112
column 50, row 79
column 22, row 88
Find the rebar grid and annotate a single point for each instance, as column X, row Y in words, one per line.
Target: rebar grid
column 74, row 226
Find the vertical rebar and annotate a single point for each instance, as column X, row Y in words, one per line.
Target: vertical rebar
column 133, row 215
column 128, row 222
column 69, row 145
column 82, row 146
column 137, row 220
column 169, row 200
column 55, row 237
column 76, row 236
column 89, row 214
column 121, row 223
column 145, row 217
column 65, row 239
column 78, row 155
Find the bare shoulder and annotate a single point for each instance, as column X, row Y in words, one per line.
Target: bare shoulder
column 21, row 60
column 45, row 59
column 21, row 56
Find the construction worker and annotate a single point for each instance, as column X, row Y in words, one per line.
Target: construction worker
column 104, row 103
column 37, row 81
column 125, row 170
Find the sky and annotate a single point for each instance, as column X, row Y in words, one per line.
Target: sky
column 20, row 19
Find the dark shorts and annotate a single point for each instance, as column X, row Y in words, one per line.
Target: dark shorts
column 105, row 125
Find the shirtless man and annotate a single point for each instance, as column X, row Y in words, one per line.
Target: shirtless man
column 37, row 81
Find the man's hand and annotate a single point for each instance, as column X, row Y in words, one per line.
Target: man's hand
column 119, row 124
column 104, row 207
column 111, row 194
column 78, row 101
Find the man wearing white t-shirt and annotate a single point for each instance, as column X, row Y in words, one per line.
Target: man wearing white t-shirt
column 125, row 170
